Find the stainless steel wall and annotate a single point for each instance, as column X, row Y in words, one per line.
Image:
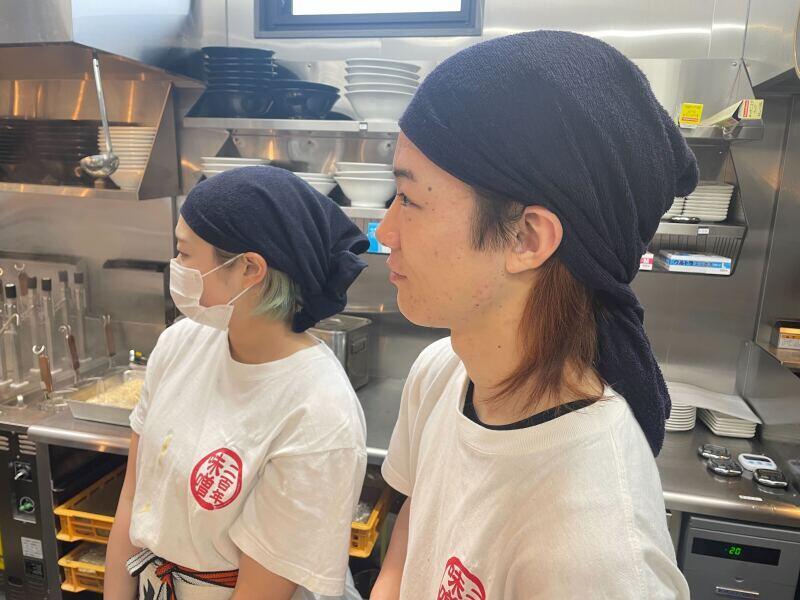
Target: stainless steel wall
column 639, row 28
column 99, row 230
column 782, row 278
column 690, row 51
column 697, row 323
column 771, row 43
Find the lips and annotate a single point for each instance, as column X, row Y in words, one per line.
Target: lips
column 394, row 272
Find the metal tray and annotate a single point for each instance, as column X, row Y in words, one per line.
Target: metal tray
column 102, row 413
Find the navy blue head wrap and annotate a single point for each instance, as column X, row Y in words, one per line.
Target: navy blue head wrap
column 296, row 229
column 565, row 121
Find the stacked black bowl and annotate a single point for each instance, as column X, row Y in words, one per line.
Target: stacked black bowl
column 14, row 135
column 59, row 145
column 236, row 69
column 246, row 82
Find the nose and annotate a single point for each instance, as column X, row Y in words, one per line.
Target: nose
column 387, row 232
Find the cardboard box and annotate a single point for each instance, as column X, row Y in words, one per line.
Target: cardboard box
column 693, row 262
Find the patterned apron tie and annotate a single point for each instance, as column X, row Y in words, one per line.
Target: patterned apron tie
column 167, row 572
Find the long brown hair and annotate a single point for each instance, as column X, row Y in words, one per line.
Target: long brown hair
column 558, row 326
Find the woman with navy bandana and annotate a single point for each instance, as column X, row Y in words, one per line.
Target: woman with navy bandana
column 532, row 171
column 248, row 452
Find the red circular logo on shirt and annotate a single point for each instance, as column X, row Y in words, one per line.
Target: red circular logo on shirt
column 217, row 479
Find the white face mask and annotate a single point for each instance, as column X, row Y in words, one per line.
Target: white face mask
column 186, row 289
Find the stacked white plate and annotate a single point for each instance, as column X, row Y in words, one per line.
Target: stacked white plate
column 368, row 185
column 675, row 210
column 132, row 144
column 321, row 182
column 380, row 89
column 709, row 202
column 213, row 165
column 727, row 426
column 682, row 418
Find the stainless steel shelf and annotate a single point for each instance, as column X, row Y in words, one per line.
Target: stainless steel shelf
column 712, row 229
column 68, row 191
column 745, row 131
column 788, row 358
column 305, row 125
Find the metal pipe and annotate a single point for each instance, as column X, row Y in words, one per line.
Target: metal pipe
column 11, row 337
column 65, row 301
column 4, row 380
column 24, row 309
column 35, row 311
column 79, row 305
column 50, row 326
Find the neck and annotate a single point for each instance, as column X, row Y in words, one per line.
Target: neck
column 490, row 351
column 257, row 339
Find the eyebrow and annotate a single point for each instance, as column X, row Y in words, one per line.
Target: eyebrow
column 404, row 173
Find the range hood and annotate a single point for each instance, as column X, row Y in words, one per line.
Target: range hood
column 46, row 47
column 145, row 31
column 771, row 45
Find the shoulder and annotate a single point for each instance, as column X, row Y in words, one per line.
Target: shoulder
column 615, row 416
column 436, row 363
column 323, row 404
column 183, row 332
column 614, row 492
column 323, row 373
column 619, row 447
column 436, row 376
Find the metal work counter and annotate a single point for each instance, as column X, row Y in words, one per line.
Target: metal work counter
column 688, row 485
column 380, row 399
column 62, row 429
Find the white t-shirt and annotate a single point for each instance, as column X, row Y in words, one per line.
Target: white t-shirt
column 264, row 459
column 568, row 509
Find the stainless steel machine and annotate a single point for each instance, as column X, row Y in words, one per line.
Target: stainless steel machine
column 26, row 517
column 729, row 559
column 36, row 314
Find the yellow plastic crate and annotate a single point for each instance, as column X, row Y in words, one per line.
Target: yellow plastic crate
column 90, row 515
column 364, row 535
column 80, row 575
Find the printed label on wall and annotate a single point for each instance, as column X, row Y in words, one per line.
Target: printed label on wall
column 32, row 548
column 690, row 114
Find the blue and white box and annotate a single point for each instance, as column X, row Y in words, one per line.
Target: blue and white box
column 693, row 262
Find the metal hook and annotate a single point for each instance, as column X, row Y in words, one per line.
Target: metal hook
column 106, row 319
column 19, row 269
column 65, row 329
column 4, row 326
column 39, row 350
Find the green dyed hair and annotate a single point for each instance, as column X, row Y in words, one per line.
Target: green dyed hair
column 280, row 297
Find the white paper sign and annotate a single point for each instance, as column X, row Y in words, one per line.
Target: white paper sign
column 32, row 548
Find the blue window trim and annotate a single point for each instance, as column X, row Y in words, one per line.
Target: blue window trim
column 274, row 19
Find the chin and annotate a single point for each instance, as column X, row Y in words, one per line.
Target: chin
column 422, row 314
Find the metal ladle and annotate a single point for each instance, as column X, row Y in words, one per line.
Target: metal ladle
column 101, row 165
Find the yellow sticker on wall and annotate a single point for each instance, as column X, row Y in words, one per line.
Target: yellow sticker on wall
column 690, row 114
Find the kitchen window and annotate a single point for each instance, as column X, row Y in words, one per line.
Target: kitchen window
column 367, row 18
